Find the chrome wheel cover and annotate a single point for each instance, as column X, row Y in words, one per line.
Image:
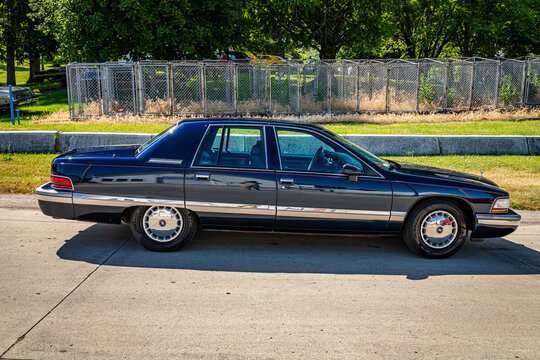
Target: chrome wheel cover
column 162, row 223
column 438, row 229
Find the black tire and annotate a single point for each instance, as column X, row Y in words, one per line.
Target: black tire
column 187, row 232
column 419, row 242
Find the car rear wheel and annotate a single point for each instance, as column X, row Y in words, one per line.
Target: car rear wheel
column 163, row 228
column 436, row 229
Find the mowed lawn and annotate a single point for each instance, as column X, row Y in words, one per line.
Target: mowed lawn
column 52, row 98
column 520, row 175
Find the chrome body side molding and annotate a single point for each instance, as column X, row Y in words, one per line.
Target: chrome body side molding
column 397, row 216
column 49, row 194
column 325, row 213
column 121, row 201
column 231, row 208
column 165, row 161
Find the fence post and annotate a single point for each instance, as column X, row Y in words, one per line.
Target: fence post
column 69, row 87
column 134, row 87
column 497, row 85
column 78, row 72
column 203, row 89
column 139, row 88
column 235, row 88
column 100, row 90
column 170, row 88
column 387, row 97
column 297, row 89
column 357, row 88
column 417, row 107
column 328, row 88
column 105, row 88
column 342, row 95
column 446, row 73
column 471, row 87
column 268, row 91
column 524, row 82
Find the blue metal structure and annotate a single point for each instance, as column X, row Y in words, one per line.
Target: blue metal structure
column 11, row 105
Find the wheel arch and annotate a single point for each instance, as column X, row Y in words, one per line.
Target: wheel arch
column 461, row 203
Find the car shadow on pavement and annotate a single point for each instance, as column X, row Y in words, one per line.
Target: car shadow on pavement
column 299, row 253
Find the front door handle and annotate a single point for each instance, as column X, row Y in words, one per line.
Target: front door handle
column 202, row 176
column 286, row 181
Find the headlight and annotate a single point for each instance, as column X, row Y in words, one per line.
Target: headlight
column 501, row 205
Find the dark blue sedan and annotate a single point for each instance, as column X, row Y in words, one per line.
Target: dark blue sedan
column 270, row 175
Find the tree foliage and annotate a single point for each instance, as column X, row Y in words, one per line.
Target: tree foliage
column 101, row 30
column 325, row 25
column 97, row 30
column 431, row 28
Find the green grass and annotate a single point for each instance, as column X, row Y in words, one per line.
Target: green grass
column 22, row 173
column 482, row 127
column 40, row 107
column 22, row 73
column 519, row 175
column 55, row 101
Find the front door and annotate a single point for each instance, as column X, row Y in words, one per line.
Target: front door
column 313, row 194
column 229, row 183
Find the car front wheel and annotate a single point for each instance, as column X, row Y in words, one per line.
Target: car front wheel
column 163, row 228
column 436, row 229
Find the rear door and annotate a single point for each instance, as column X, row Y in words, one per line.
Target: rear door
column 313, row 193
column 229, row 183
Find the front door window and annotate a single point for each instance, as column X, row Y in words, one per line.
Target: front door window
column 304, row 151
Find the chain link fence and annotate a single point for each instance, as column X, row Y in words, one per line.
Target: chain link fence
column 214, row 88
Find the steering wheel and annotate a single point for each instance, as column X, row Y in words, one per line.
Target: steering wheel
column 318, row 157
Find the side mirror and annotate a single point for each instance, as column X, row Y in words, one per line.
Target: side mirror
column 352, row 171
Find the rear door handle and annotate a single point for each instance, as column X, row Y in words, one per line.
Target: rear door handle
column 286, row 181
column 202, row 176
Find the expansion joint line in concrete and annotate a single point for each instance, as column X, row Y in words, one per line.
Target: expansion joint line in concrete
column 21, row 338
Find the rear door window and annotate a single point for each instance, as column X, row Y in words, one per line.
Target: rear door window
column 233, row 147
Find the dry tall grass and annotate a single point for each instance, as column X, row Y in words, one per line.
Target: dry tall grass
column 381, row 118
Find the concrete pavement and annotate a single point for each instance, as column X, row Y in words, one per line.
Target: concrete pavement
column 81, row 290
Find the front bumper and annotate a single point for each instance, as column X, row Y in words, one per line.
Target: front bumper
column 55, row 202
column 496, row 225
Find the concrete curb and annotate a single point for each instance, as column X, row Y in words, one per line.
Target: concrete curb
column 397, row 145
column 27, row 141
column 77, row 140
column 392, row 145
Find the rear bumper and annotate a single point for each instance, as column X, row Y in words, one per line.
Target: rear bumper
column 496, row 225
column 54, row 202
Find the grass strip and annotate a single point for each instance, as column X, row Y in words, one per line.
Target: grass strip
column 520, row 175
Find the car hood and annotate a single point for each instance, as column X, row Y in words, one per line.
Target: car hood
column 109, row 151
column 438, row 173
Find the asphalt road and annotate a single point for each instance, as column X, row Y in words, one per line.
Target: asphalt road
column 79, row 290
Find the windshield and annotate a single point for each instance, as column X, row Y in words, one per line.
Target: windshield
column 144, row 146
column 383, row 164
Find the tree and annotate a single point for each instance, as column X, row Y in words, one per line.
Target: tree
column 326, row 25
column 486, row 27
column 9, row 31
column 423, row 27
column 23, row 38
column 431, row 28
column 95, row 30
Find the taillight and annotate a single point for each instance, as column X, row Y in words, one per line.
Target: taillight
column 61, row 182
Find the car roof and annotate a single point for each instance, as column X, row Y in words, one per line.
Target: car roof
column 251, row 121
